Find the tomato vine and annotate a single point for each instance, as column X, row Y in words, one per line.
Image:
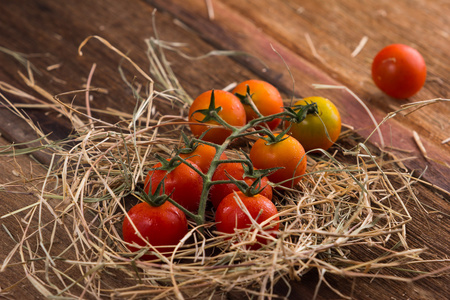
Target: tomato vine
column 212, row 114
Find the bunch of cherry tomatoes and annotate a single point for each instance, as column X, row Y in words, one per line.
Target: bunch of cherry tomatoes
column 240, row 190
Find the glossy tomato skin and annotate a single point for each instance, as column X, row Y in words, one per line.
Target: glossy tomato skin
column 399, row 71
column 232, row 112
column 163, row 225
column 266, row 98
column 288, row 154
column 235, row 170
column 229, row 215
column 311, row 131
column 202, row 156
column 183, row 182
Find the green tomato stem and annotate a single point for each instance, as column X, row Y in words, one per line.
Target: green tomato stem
column 236, row 132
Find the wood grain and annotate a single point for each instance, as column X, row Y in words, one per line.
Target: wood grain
column 49, row 32
column 13, row 280
column 331, row 26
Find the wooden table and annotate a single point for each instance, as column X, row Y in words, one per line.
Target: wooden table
column 319, row 42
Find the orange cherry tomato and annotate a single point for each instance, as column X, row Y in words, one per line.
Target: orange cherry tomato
column 288, row 154
column 236, row 171
column 266, row 98
column 202, row 156
column 232, row 111
column 311, row 131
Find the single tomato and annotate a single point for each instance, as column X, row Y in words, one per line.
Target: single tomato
column 266, row 98
column 183, row 184
column 287, row 154
column 161, row 226
column 202, row 156
column 399, row 71
column 236, row 171
column 230, row 216
column 311, row 131
column 232, row 111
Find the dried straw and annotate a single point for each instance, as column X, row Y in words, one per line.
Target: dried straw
column 343, row 204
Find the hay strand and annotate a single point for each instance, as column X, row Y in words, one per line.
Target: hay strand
column 348, row 201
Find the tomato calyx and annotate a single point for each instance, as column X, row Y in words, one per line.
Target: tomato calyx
column 159, row 196
column 154, row 199
column 255, row 188
column 271, row 138
column 248, row 190
column 248, row 100
column 210, row 113
column 192, row 144
column 298, row 113
column 167, row 165
column 251, row 172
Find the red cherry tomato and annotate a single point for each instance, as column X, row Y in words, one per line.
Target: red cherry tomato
column 236, row 171
column 163, row 225
column 229, row 215
column 183, row 183
column 399, row 71
column 288, row 154
column 232, row 112
column 266, row 98
column 202, row 156
column 311, row 131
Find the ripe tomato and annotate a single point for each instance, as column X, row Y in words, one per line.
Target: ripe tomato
column 163, row 225
column 235, row 170
column 399, row 71
column 232, row 112
column 266, row 97
column 287, row 154
column 183, row 183
column 229, row 215
column 202, row 156
column 311, row 131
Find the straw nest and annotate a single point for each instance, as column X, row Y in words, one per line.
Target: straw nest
column 349, row 200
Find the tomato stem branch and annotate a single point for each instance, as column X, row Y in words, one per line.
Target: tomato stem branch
column 293, row 114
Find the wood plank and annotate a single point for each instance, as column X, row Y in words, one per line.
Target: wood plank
column 239, row 26
column 437, row 225
column 30, row 234
column 62, row 26
column 13, row 281
column 55, row 43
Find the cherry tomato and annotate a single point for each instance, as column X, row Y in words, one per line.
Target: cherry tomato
column 288, row 154
column 163, row 225
column 399, row 71
column 232, row 112
column 266, row 98
column 311, row 131
column 202, row 156
column 183, row 183
column 229, row 215
column 236, row 171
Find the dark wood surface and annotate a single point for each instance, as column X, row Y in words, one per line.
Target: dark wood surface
column 49, row 33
